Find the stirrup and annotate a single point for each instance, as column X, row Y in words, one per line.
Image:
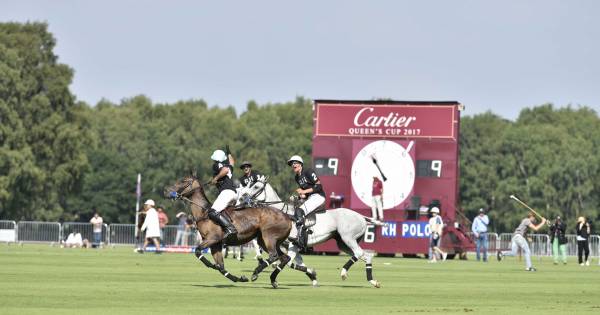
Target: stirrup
column 299, row 216
column 228, row 234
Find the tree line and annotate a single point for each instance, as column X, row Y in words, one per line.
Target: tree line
column 60, row 157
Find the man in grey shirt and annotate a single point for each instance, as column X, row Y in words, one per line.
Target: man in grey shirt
column 519, row 240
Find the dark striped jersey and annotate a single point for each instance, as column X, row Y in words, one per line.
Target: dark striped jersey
column 224, row 182
column 248, row 180
column 308, row 179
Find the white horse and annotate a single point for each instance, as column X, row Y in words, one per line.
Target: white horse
column 346, row 226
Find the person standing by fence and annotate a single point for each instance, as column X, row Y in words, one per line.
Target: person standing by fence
column 181, row 236
column 97, row 223
column 151, row 226
column 583, row 241
column 558, row 240
column 163, row 219
column 479, row 229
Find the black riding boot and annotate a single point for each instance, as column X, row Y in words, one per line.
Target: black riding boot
column 302, row 239
column 224, row 222
column 299, row 216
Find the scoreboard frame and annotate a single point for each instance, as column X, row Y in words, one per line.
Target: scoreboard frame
column 415, row 146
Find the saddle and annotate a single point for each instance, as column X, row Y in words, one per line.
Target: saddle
column 311, row 219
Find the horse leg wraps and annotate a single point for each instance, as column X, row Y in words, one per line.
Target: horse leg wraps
column 203, row 259
column 228, row 275
column 284, row 260
column 309, row 272
column 369, row 269
column 272, row 259
column 350, row 262
column 298, row 267
column 262, row 264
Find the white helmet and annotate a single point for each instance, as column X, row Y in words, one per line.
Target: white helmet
column 218, row 156
column 295, row 158
column 149, row 202
column 435, row 210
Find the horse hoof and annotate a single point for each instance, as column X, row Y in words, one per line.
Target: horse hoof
column 243, row 279
column 344, row 274
column 375, row 283
column 275, row 284
column 315, row 284
column 254, row 277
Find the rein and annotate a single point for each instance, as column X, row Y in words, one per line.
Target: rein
column 175, row 196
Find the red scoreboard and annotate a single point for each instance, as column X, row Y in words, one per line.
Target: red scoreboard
column 412, row 147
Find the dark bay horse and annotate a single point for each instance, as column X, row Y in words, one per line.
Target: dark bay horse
column 268, row 225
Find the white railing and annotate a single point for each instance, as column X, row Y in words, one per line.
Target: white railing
column 539, row 244
column 492, row 242
column 8, row 231
column 124, row 234
column 86, row 230
column 34, row 231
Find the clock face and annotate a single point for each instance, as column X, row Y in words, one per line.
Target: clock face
column 396, row 162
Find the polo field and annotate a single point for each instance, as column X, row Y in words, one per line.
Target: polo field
column 43, row 279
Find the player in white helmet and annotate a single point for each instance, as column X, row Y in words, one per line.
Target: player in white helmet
column 310, row 190
column 222, row 178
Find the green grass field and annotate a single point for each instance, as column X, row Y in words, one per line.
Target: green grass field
column 39, row 279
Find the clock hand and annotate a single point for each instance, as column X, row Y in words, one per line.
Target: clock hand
column 410, row 145
column 378, row 168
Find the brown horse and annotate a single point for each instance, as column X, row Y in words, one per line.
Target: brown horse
column 268, row 225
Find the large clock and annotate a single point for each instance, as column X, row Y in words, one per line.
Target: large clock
column 392, row 162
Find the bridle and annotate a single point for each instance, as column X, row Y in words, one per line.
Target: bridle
column 178, row 196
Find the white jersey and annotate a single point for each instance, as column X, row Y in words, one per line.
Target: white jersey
column 436, row 224
column 151, row 225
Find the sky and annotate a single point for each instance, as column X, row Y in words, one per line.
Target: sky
column 499, row 56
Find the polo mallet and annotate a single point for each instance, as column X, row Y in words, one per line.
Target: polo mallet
column 526, row 206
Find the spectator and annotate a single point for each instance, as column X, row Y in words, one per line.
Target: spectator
column 479, row 229
column 151, row 226
column 519, row 241
column 97, row 223
column 583, row 242
column 377, row 193
column 190, row 229
column 182, row 235
column 163, row 219
column 558, row 240
column 436, row 226
column 73, row 240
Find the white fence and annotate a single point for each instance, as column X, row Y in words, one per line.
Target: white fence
column 86, row 230
column 540, row 244
column 116, row 234
column 492, row 241
column 32, row 231
column 124, row 234
column 8, row 231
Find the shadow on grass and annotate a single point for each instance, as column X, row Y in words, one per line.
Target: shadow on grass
column 328, row 285
column 281, row 286
column 241, row 286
